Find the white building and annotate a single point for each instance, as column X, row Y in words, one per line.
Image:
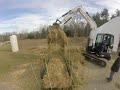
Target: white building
column 112, row 27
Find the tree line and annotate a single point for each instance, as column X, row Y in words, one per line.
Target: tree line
column 41, row 33
column 78, row 29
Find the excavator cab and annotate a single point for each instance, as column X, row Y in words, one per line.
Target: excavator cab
column 104, row 45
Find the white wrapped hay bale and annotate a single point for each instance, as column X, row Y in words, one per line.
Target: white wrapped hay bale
column 14, row 43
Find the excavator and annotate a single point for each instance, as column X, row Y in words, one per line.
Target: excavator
column 100, row 45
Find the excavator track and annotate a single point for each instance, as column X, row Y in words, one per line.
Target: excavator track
column 94, row 60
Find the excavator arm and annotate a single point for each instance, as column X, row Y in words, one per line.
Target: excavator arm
column 80, row 10
column 92, row 37
column 70, row 14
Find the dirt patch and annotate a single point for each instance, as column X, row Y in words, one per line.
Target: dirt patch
column 18, row 73
column 11, row 81
column 117, row 85
column 9, row 86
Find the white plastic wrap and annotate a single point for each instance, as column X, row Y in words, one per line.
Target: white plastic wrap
column 14, row 43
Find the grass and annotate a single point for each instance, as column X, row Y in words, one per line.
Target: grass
column 11, row 64
column 30, row 51
column 9, row 59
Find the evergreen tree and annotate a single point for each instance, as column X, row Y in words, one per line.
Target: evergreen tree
column 117, row 12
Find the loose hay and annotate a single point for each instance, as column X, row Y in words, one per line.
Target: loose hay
column 56, row 36
column 77, row 64
column 56, row 76
column 63, row 69
column 64, row 73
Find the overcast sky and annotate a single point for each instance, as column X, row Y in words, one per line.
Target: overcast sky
column 19, row 15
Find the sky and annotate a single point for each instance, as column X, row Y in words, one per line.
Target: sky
column 28, row 15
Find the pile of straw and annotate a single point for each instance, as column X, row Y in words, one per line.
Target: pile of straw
column 56, row 36
column 56, row 76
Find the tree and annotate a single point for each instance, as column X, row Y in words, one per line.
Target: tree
column 67, row 30
column 31, row 35
column 117, row 12
column 37, row 35
column 87, row 30
column 113, row 16
column 97, row 19
column 105, row 14
column 43, row 33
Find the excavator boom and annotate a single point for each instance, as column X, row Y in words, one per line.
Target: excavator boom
column 92, row 37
